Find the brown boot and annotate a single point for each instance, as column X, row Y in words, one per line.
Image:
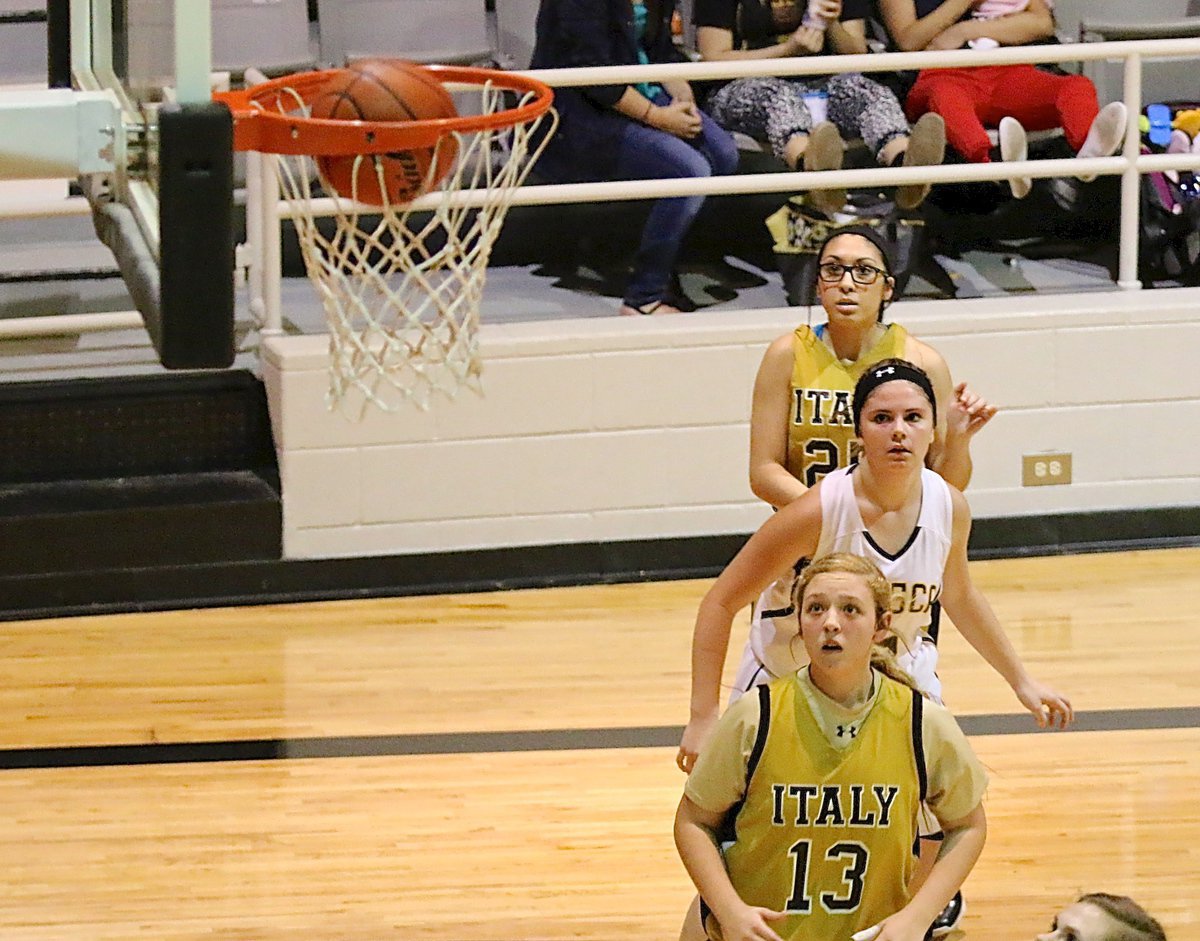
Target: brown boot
column 926, row 148
column 825, row 152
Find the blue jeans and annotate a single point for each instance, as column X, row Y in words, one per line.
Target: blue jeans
column 647, row 153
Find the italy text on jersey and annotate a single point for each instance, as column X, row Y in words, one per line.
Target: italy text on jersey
column 823, row 407
column 833, row 805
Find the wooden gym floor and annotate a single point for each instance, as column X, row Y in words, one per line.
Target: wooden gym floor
column 500, row 766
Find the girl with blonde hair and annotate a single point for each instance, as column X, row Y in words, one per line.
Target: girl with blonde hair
column 798, row 821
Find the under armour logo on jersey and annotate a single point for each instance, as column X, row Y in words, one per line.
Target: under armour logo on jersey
column 844, row 730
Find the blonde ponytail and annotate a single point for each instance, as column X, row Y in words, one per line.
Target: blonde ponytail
column 883, row 659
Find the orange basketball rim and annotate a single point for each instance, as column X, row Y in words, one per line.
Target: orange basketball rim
column 273, row 117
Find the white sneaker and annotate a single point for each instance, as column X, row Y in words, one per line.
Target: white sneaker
column 1106, row 134
column 1014, row 146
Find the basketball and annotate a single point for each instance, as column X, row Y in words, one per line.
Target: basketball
column 386, row 90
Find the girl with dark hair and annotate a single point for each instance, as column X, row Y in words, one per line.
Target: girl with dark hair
column 797, row 434
column 636, row 131
column 890, row 508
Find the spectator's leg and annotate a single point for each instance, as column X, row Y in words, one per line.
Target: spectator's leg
column 787, row 121
column 1042, row 100
column 1107, row 133
column 770, row 109
column 924, row 147
column 863, row 108
column 647, row 153
column 1078, row 108
column 955, row 95
column 718, row 147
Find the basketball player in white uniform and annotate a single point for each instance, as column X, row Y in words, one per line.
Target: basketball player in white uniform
column 890, row 508
column 915, row 573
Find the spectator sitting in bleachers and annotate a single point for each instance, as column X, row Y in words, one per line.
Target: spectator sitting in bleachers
column 775, row 109
column 630, row 132
column 993, row 10
column 1012, row 98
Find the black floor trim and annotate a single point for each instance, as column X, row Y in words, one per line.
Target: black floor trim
column 456, row 743
column 266, row 582
column 255, row 582
column 278, row 581
column 1097, row 531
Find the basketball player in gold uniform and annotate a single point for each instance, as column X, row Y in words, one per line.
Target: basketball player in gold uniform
column 800, row 427
column 798, row 821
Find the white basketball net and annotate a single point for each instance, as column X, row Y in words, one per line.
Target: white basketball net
column 401, row 285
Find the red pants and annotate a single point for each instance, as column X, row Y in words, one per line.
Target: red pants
column 971, row 99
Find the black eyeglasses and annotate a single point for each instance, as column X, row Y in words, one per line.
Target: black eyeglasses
column 861, row 274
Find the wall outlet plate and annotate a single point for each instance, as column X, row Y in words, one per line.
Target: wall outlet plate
column 1045, row 470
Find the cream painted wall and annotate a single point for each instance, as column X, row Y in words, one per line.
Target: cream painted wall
column 596, row 430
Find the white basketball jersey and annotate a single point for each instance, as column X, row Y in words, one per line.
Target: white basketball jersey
column 915, row 573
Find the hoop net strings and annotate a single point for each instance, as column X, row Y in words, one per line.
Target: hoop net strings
column 401, row 288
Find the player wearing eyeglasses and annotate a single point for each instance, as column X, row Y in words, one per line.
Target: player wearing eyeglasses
column 800, row 426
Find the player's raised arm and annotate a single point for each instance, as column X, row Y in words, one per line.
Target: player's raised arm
column 961, row 414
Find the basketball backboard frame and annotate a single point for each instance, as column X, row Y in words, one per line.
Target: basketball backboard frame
column 165, row 209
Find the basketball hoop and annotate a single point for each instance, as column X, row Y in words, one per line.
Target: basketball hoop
column 400, row 282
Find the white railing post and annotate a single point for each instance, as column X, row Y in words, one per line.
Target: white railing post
column 81, row 37
column 193, row 59
column 253, row 247
column 1131, row 178
column 272, row 247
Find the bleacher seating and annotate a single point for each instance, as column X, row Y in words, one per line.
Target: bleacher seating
column 1113, row 20
column 446, row 31
column 22, row 41
column 272, row 37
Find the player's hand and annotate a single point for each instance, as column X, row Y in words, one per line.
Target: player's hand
column 968, row 412
column 1050, row 708
column 681, row 118
column 898, row 927
column 695, row 735
column 749, row 923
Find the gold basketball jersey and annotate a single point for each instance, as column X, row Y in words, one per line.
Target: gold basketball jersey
column 827, row 834
column 821, row 426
